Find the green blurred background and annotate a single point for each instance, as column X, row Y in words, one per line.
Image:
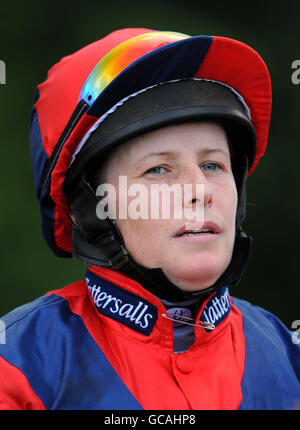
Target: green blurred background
column 36, row 34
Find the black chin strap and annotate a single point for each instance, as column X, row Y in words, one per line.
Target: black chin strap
column 101, row 243
column 108, row 250
column 155, row 281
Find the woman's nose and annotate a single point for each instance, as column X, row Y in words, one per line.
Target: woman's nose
column 197, row 189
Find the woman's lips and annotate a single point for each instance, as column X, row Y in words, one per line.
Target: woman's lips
column 210, row 233
column 198, row 229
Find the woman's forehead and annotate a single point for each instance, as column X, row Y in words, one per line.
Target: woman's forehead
column 173, row 140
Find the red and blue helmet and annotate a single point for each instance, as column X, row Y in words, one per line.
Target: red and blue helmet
column 83, row 87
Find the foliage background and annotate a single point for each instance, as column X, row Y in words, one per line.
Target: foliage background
column 36, row 34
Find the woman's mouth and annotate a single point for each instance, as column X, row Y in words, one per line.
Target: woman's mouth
column 196, row 232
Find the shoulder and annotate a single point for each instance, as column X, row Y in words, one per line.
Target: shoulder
column 41, row 312
column 35, row 323
column 259, row 318
column 267, row 336
column 271, row 360
column 35, row 343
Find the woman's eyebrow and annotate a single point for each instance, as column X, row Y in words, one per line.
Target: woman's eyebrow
column 171, row 154
column 176, row 154
column 206, row 151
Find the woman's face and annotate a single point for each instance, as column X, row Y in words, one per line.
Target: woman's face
column 189, row 153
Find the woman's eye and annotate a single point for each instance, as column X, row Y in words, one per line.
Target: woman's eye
column 211, row 167
column 154, row 171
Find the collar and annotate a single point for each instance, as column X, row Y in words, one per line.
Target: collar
column 130, row 310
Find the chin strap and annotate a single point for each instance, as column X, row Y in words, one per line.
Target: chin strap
column 101, row 243
column 108, row 250
column 155, row 281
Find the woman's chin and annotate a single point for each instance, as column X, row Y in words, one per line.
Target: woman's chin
column 196, row 275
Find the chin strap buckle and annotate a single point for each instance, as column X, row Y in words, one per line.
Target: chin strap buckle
column 116, row 253
column 119, row 259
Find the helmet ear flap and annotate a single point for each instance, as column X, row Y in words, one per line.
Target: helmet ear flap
column 239, row 260
column 82, row 248
column 239, row 159
column 93, row 240
column 240, row 173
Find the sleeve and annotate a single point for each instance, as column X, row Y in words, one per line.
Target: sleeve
column 272, row 362
column 290, row 339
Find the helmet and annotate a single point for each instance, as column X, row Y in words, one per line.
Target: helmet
column 103, row 94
